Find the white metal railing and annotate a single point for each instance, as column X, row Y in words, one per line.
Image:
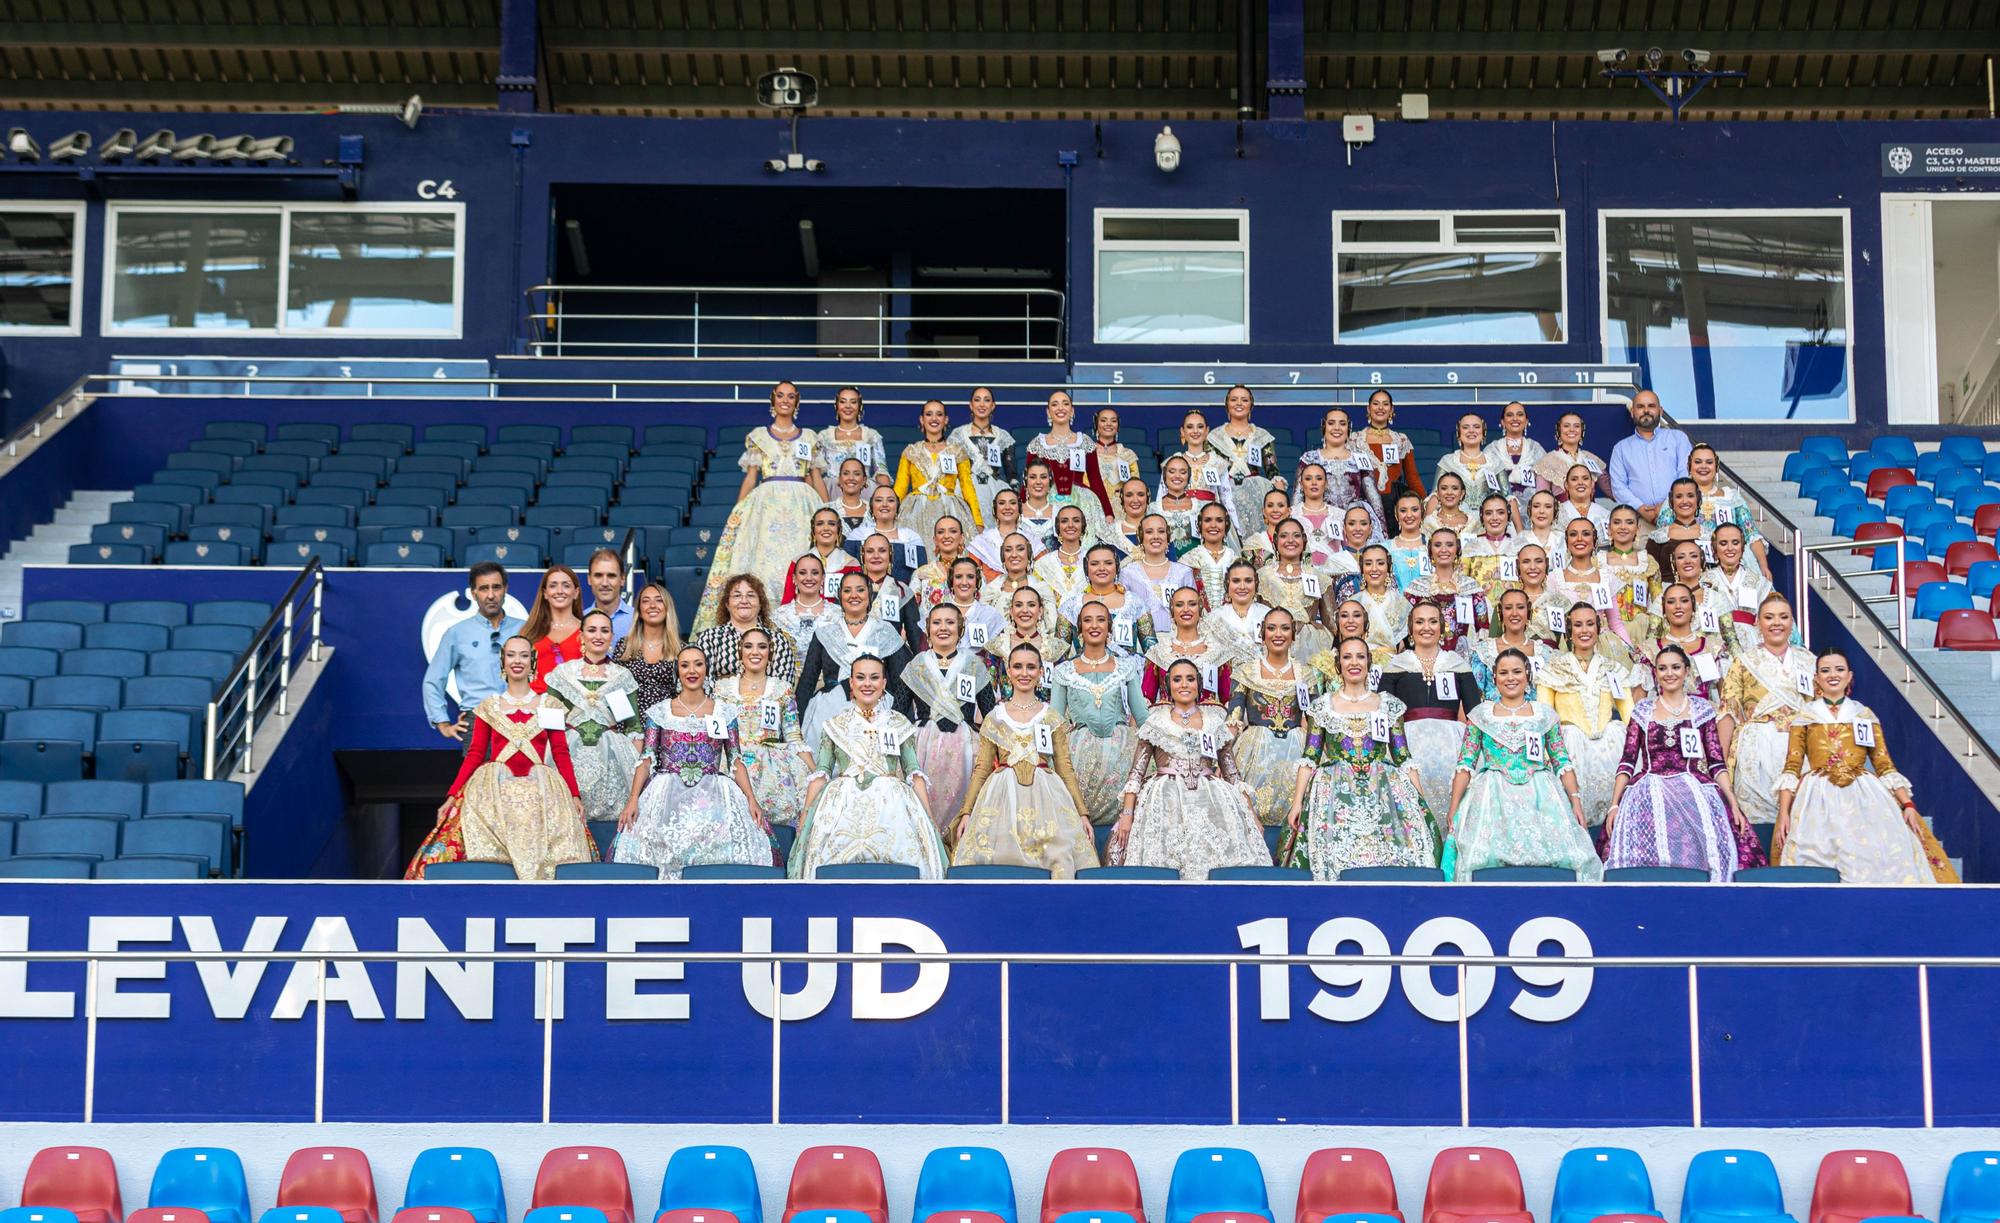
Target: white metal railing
column 1807, row 562
column 72, row 400
column 245, row 696
column 737, row 310
column 550, row 962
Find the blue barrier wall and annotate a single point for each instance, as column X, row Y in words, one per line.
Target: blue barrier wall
column 295, row 815
column 1290, row 176
column 1152, row 1043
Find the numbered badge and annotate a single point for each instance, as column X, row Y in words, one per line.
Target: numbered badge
column 1600, row 596
column 1305, row 697
column 1510, row 569
column 1211, row 680
column 1392, row 454
column 1208, row 744
column 1121, row 632
column 1707, row 551
column 1124, row 471
column 1519, row 476
column 548, row 717
column 1045, row 739
column 620, row 706
column 1424, row 567
column 1255, row 455
column 717, row 728
column 911, row 557
column 1462, row 609
column 1374, row 679
column 1705, row 668
column 965, row 687
column 1864, row 734
column 1804, row 684
column 891, row 609
column 1447, row 686
column 1309, row 582
column 1640, row 594
column 1378, row 726
column 1691, row 743
column 1533, row 747
column 769, row 715
column 829, row 586
column 1707, row 620
column 1534, row 668
column 993, row 455
column 1211, row 477
column 976, row 636
column 948, row 463
column 1075, row 458
column 802, row 450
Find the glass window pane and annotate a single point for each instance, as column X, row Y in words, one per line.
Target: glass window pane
column 1172, row 229
column 215, row 270
column 36, row 249
column 1166, row 297
column 1451, row 297
column 1495, row 229
column 1731, row 317
column 1405, row 230
column 372, row 271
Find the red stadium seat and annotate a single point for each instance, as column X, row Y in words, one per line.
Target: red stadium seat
column 1475, row 1185
column 1966, row 628
column 1986, row 519
column 1882, row 479
column 427, row 1214
column 1346, row 1180
column 1091, row 1178
column 1959, row 558
column 1856, row 1185
column 1875, row 531
column 171, row 1214
column 838, row 1178
column 1916, row 573
column 81, row 1180
column 337, row 1177
column 586, row 1176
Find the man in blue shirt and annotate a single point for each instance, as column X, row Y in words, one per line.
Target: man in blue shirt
column 470, row 650
column 1645, row 465
column 606, row 576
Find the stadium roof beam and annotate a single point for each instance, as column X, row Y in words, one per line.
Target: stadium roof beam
column 608, row 40
column 1375, row 44
column 247, row 36
column 302, row 94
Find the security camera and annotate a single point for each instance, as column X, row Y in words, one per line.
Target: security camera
column 1653, row 57
column 271, row 148
column 22, row 145
column 1611, row 57
column 194, row 148
column 814, row 166
column 231, row 148
column 70, row 147
column 413, row 106
column 1167, row 150
column 1696, row 58
column 787, row 89
column 775, row 165
column 155, row 146
column 118, row 144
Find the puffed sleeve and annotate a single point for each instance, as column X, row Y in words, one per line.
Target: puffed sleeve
column 906, row 755
column 750, row 460
column 1142, row 769
column 789, row 722
column 1468, row 751
column 1398, row 750
column 1795, row 758
column 1135, row 696
column 1311, row 755
column 1711, row 745
column 968, row 493
column 906, row 475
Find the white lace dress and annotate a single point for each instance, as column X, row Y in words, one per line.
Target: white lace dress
column 1192, row 813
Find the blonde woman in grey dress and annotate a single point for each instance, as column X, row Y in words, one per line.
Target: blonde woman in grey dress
column 1185, row 806
column 605, row 724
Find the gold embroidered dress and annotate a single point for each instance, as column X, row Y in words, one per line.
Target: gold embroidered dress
column 1843, row 814
column 1023, row 807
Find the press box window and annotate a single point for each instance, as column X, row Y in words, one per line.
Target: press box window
column 40, row 261
column 1173, row 277
column 1449, row 278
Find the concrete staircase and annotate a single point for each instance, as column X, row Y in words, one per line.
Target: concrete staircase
column 49, row 543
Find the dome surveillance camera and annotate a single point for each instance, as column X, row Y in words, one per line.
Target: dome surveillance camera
column 1611, row 57
column 1167, row 150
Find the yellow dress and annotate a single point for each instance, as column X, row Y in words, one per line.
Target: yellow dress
column 1593, row 702
column 1843, row 815
column 1763, row 693
column 930, row 492
column 1022, row 806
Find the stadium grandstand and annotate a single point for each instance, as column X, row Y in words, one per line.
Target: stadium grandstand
column 770, row 595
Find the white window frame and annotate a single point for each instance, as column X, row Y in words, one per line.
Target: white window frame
column 1242, row 243
column 284, row 211
column 76, row 212
column 1443, row 216
column 1912, row 379
column 1847, row 286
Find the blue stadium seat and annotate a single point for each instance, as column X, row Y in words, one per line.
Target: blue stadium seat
column 294, row 553
column 1936, row 597
column 1965, row 501
column 1210, row 1180
column 243, row 492
column 86, row 836
column 465, row 454
column 1933, row 463
column 14, row 692
column 117, row 799
column 110, row 554
column 172, row 517
column 168, row 692
column 478, row 517
column 403, row 556
column 970, row 1180
column 54, row 725
column 224, row 798
column 608, row 872
column 327, row 435
column 1260, row 874
column 1819, row 479
column 1924, row 517
column 252, row 431
column 247, row 612
column 141, row 760
column 254, row 518
column 712, row 1178
column 44, row 866
column 1951, row 483
column 29, row 662
column 336, row 490
column 40, row 759
column 223, row 465
column 563, row 516
column 548, row 436
column 331, row 517
column 1942, row 535
column 1971, row 1187
column 127, row 635
column 1983, row 579
column 171, row 494
column 514, row 556
column 141, row 867
column 474, row 434
column 190, row 552
column 211, row 665
column 619, row 435
column 69, row 611
column 375, row 467
column 229, row 638
column 124, row 664
column 996, row 870
column 194, row 836
column 710, row 872
column 1848, row 517
column 153, row 539
column 1392, row 874
column 147, row 725
column 1833, row 498
column 208, row 1179
column 1895, row 446
column 382, row 431
column 1596, row 1181
column 1732, row 1186
column 1524, row 874
column 203, row 483
column 1127, row 874
column 396, row 516
column 438, row 484
column 427, row 498
column 1861, row 466
column 467, row 1178
column 20, row 798
column 533, row 466
column 42, row 634
column 93, row 692
column 501, row 495
column 711, row 514
column 460, row 871
column 235, row 448
column 1788, row 874
column 866, row 870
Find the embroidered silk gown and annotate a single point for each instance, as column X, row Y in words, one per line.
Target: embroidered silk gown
column 1763, row 692
column 1191, row 814
column 1102, row 710
column 933, row 485
column 1843, row 814
column 771, row 745
column 691, row 811
column 868, row 811
column 1364, row 806
column 1592, row 701
column 1023, row 806
column 1514, row 812
column 1673, row 813
column 933, row 696
column 517, row 795
column 603, row 747
column 769, row 528
column 1268, row 718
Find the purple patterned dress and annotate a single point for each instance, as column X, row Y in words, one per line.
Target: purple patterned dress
column 1672, row 813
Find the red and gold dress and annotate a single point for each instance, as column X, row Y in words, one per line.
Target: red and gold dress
column 517, row 796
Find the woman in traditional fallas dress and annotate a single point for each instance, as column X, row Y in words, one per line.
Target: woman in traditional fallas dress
column 1098, row 693
column 1267, row 715
column 1185, row 805
column 945, row 692
column 1763, row 689
column 934, row 477
column 767, row 730
column 868, row 800
column 781, row 488
column 515, row 798
column 1023, row 807
column 1251, row 453
column 605, row 724
column 1671, row 805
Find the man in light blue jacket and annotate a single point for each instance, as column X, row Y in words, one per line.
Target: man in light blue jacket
column 470, row 650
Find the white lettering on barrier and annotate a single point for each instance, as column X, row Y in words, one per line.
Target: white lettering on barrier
column 622, row 999
column 230, row 988
column 17, row 1001
column 760, row 980
column 1271, row 936
column 557, row 934
column 111, row 934
column 346, row 981
column 467, row 985
column 875, row 934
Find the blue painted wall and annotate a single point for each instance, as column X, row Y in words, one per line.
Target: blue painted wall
column 1290, row 177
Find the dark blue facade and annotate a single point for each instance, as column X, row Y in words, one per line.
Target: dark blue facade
column 1289, row 176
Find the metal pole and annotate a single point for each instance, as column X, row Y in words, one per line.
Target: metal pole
column 319, row 584
column 208, row 746
column 1924, row 1031
column 285, row 664
column 548, row 1034
column 1235, row 1068
column 319, row 1050
column 1902, row 583
column 250, row 717
column 1006, row 1067
column 89, row 1040
column 1464, row 1059
column 777, row 1019
column 697, row 323
column 1694, row 1044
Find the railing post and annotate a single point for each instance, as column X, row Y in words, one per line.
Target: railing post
column 697, row 322
column 557, row 301
column 208, row 746
column 250, row 716
column 548, row 1035
column 1924, row 1034
column 1464, row 1059
column 777, row 1026
column 89, row 1040
column 1694, row 1044
column 1235, row 1055
column 319, row 1049
column 1006, row 1062
column 319, row 584
column 285, row 665
column 1902, row 593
